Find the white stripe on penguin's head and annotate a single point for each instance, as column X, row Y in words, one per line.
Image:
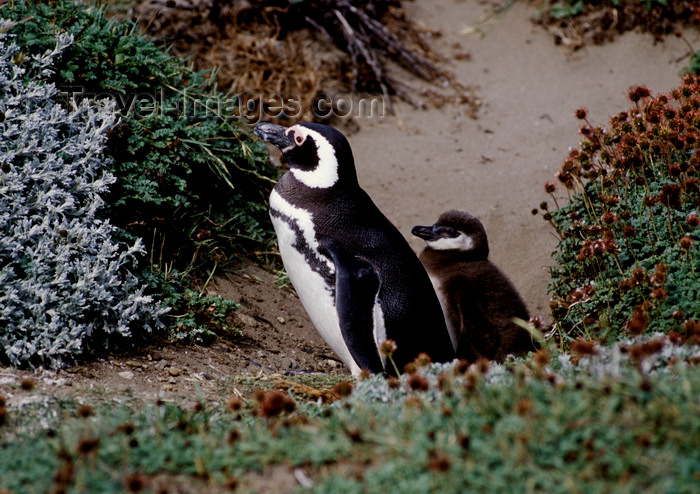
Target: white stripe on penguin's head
column 325, row 174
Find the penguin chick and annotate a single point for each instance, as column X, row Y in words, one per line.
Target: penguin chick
column 355, row 274
column 477, row 299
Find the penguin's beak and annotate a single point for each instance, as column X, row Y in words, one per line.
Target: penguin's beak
column 274, row 134
column 425, row 232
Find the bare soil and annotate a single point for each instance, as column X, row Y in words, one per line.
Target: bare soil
column 414, row 164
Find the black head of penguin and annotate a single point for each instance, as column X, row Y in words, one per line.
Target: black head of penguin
column 319, row 156
column 456, row 233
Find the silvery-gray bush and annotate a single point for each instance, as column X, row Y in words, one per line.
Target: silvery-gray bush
column 66, row 284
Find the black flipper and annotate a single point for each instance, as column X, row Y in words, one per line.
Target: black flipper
column 356, row 287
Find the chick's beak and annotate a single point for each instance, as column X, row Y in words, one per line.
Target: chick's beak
column 424, row 232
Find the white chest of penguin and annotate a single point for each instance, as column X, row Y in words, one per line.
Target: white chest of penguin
column 311, row 272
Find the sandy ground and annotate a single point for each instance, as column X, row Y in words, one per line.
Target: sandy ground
column 416, row 164
column 421, row 163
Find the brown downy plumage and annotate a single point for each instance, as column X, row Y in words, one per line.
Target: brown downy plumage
column 478, row 300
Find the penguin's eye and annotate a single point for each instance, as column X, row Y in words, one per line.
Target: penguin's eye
column 299, row 139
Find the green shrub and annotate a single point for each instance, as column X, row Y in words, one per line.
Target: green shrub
column 67, row 287
column 629, row 256
column 190, row 182
column 185, row 174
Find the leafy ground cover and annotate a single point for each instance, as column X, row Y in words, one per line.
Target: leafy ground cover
column 620, row 419
column 628, row 256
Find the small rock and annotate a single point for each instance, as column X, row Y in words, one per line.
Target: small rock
column 281, row 320
column 132, row 363
column 174, row 371
column 289, row 363
column 126, row 375
column 247, row 320
column 161, row 365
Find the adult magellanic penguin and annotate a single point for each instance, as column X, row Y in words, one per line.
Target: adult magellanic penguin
column 478, row 300
column 355, row 274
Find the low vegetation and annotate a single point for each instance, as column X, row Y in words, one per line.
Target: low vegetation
column 165, row 172
column 190, row 195
column 550, row 424
column 629, row 256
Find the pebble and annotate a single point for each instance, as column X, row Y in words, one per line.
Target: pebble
column 289, row 363
column 126, row 375
column 174, row 371
column 281, row 320
column 247, row 320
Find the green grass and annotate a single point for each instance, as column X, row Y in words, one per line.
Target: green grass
column 520, row 428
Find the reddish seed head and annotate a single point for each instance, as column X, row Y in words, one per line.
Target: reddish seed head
column 609, row 218
column 418, row 382
column 685, row 242
column 231, row 484
column 423, row 359
column 541, row 358
column 653, row 347
column 692, row 219
column 234, row 405
column 659, row 294
column 524, row 407
column 637, row 323
column 637, row 93
column 274, row 403
column 550, row 187
column 410, row 368
column 135, row 482
column 27, row 384
column 678, row 315
column 581, row 113
column 388, row 348
column 343, row 389
column 584, row 347
column 86, row 446
column 233, row 436
column 461, row 367
column 628, row 231
column 440, row 464
column 463, row 440
column 84, row 411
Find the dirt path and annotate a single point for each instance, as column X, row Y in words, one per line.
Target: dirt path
column 420, row 163
column 416, row 165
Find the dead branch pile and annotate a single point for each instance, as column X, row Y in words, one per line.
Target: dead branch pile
column 303, row 49
column 601, row 21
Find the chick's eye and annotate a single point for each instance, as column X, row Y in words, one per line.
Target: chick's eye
column 446, row 231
